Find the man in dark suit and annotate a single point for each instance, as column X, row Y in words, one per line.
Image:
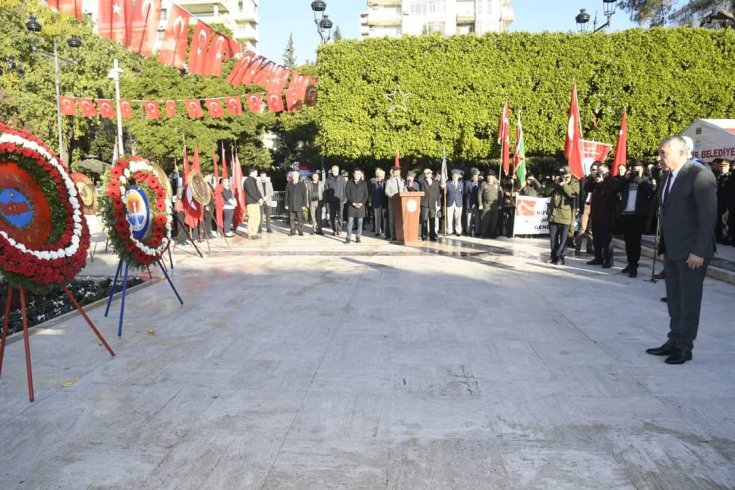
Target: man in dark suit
column 379, row 202
column 604, row 189
column 429, row 205
column 688, row 214
column 296, row 202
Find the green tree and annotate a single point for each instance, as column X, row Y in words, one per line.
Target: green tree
column 337, row 36
column 653, row 12
column 289, row 55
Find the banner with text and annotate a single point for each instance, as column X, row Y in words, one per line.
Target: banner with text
column 531, row 216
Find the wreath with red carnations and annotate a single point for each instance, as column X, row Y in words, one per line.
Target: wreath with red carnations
column 129, row 182
column 43, row 236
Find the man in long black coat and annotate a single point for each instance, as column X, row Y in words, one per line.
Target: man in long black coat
column 296, row 203
column 356, row 195
column 429, row 204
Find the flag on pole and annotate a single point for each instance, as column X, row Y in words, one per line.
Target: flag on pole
column 199, row 47
column 176, row 38
column 519, row 157
column 112, row 21
column 573, row 143
column 397, row 160
column 219, row 201
column 621, row 149
column 504, row 138
column 239, row 193
column 444, row 174
column 143, row 25
column 191, row 213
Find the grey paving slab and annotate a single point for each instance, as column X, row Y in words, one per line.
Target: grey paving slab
column 303, row 363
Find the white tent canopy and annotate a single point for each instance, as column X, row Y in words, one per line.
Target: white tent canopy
column 713, row 138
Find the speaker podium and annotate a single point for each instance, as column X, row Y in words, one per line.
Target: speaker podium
column 408, row 213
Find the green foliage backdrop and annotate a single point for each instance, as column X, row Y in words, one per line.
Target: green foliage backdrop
column 666, row 78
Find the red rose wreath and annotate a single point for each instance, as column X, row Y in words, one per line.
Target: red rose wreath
column 43, row 236
column 134, row 191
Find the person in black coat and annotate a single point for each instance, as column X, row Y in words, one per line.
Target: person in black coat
column 296, row 202
column 429, row 204
column 604, row 189
column 334, row 193
column 636, row 194
column 379, row 202
column 357, row 195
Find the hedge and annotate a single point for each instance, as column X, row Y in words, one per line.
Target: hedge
column 667, row 77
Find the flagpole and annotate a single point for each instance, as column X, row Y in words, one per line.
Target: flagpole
column 115, row 75
column 444, row 165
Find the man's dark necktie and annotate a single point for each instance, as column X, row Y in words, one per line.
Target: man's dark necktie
column 667, row 189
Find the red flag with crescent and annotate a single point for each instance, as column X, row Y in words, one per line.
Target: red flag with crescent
column 176, row 37
column 170, row 108
column 219, row 52
column 126, row 109
column 255, row 102
column 621, row 148
column 214, row 106
column 234, row 105
column 87, row 107
column 275, row 102
column 236, row 76
column 112, row 21
column 152, row 111
column 199, row 46
column 69, row 7
column 573, row 143
column 106, row 107
column 253, row 70
column 67, row 106
column 143, row 25
column 194, row 108
column 238, row 193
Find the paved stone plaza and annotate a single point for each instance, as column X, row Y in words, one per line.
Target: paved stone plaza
column 305, row 363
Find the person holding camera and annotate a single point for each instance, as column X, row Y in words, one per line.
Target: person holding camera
column 531, row 187
column 636, row 193
column 562, row 191
column 604, row 189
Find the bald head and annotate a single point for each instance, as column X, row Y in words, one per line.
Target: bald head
column 673, row 153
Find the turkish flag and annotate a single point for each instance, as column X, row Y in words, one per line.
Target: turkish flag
column 235, row 47
column 504, row 138
column 253, row 69
column 214, row 106
column 194, row 108
column 69, row 7
column 266, row 71
column 112, row 23
column 143, row 18
column 275, row 102
column 170, row 108
column 152, row 111
column 219, row 51
column 255, row 102
column 198, row 50
column 621, row 149
column 298, row 85
column 278, row 79
column 293, row 101
column 240, row 69
column 234, row 105
column 126, row 110
column 238, row 193
column 87, row 108
column 176, row 38
column 593, row 151
column 107, row 110
column 67, row 106
column 573, row 143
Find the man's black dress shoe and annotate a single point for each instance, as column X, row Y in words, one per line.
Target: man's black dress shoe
column 665, row 299
column 633, row 273
column 625, row 270
column 607, row 265
column 679, row 356
column 664, row 350
column 596, row 262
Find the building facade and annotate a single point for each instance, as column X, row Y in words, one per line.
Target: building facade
column 704, row 13
column 414, row 17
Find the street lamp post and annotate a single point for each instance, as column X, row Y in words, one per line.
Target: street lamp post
column 582, row 18
column 322, row 22
column 33, row 26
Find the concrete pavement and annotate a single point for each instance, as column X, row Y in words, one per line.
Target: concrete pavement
column 305, row 363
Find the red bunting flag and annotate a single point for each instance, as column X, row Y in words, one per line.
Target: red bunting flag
column 198, row 50
column 194, row 108
column 126, row 110
column 170, row 108
column 253, row 69
column 214, row 106
column 275, row 102
column 277, row 80
column 234, row 105
column 176, row 37
column 255, row 102
column 67, row 106
column 293, row 101
column 69, row 7
column 621, row 149
column 236, row 76
column 152, row 111
column 112, row 21
column 87, row 107
column 219, row 52
column 106, row 107
column 573, row 143
column 143, row 25
column 298, row 85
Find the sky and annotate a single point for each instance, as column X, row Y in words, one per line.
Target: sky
column 279, row 18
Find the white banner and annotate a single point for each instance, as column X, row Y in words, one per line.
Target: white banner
column 532, row 216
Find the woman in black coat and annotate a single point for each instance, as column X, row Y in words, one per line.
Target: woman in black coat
column 356, row 195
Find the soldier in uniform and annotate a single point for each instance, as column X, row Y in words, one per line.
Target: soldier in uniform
column 488, row 203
